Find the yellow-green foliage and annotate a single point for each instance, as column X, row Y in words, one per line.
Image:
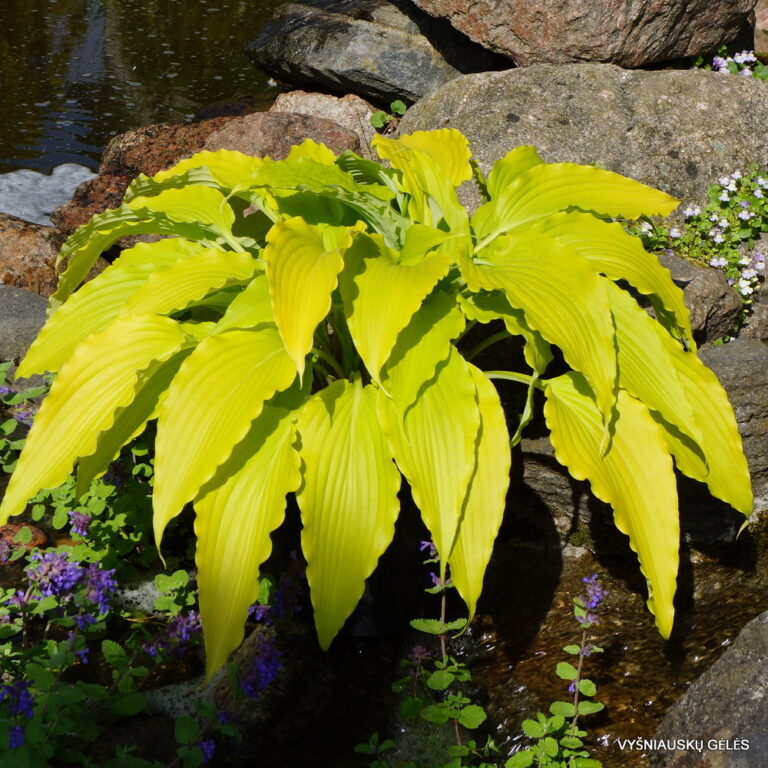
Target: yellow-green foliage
column 297, row 335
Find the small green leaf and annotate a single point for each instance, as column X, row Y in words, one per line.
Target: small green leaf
column 586, row 762
column 590, row 707
column 566, row 671
column 435, row 713
column 550, row 747
column 587, row 687
column 520, row 760
column 532, row 729
column 574, row 650
column 571, row 742
column 187, row 729
column 398, row 107
column 379, row 119
column 471, row 716
column 562, row 708
column 440, row 680
column 113, row 653
column 410, row 706
column 128, row 704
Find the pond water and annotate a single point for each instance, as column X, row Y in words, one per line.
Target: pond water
column 73, row 73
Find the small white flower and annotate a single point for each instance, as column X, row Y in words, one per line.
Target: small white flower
column 718, row 238
column 719, row 261
column 736, row 174
column 731, row 187
column 723, row 224
column 713, row 217
column 761, row 182
column 724, row 196
column 746, row 72
column 745, row 215
column 691, row 210
column 646, row 227
column 748, row 274
column 675, row 232
column 723, row 181
column 745, row 260
column 758, row 193
column 744, row 287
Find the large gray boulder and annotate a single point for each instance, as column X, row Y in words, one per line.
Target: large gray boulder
column 22, row 315
column 630, row 33
column 377, row 49
column 675, row 129
column 724, row 713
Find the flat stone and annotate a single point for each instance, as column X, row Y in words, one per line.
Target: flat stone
column 663, row 128
column 630, row 34
column 22, row 315
column 380, row 50
column 726, row 709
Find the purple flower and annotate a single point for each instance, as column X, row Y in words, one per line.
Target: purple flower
column 572, row 687
column 5, row 551
column 428, row 546
column 54, row 574
column 258, row 612
column 596, row 593
column 20, row 701
column 264, row 668
column 84, row 620
column 6, row 390
column 207, row 747
column 100, row 586
column 182, row 627
column 17, row 737
column 80, row 522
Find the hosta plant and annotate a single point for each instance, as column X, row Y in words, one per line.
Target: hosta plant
column 297, row 332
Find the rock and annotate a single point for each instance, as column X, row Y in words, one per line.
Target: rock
column 22, row 314
column 32, row 196
column 659, row 127
column 756, row 326
column 713, row 304
column 155, row 147
column 728, row 702
column 630, row 34
column 380, row 50
column 349, row 111
column 742, row 368
column 28, row 255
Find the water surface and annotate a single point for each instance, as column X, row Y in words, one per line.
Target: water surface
column 73, row 73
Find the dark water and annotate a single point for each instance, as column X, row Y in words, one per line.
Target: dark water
column 73, row 73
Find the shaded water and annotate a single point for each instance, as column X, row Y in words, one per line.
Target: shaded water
column 73, row 73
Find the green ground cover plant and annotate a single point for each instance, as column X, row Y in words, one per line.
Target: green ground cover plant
column 302, row 333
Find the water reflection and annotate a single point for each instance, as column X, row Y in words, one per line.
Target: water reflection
column 75, row 72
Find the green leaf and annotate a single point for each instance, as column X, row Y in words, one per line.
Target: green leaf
column 302, row 262
column 348, row 500
column 562, row 708
column 186, row 729
column 235, row 515
column 127, row 704
column 571, row 742
column 566, row 671
column 471, row 716
column 198, row 426
column 508, row 168
column 113, row 653
column 549, row 746
column 98, row 380
column 587, row 687
column 532, row 729
column 410, row 707
column 590, row 707
column 635, row 477
column 586, row 762
column 522, row 759
column 436, row 713
column 398, row 107
column 574, row 650
column 379, row 119
column 440, row 680
column 373, row 270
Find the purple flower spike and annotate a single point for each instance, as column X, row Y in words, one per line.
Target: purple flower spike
column 80, row 523
column 207, row 747
column 17, row 737
column 54, row 573
column 263, row 670
column 20, row 701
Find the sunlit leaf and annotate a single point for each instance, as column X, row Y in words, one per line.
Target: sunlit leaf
column 348, row 499
column 635, row 477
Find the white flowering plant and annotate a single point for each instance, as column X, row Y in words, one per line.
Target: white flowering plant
column 745, row 63
column 725, row 233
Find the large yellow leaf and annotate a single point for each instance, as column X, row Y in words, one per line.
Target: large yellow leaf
column 562, row 298
column 190, row 280
column 428, row 175
column 219, row 389
column 99, row 301
column 620, row 256
column 233, row 524
column 228, row 168
column 635, row 477
column 250, row 308
column 544, row 189
column 98, row 379
column 725, row 471
column 374, row 273
column 508, row 168
column 434, row 443
column 348, row 499
column 130, row 420
column 484, row 506
column 421, row 346
column 302, row 264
